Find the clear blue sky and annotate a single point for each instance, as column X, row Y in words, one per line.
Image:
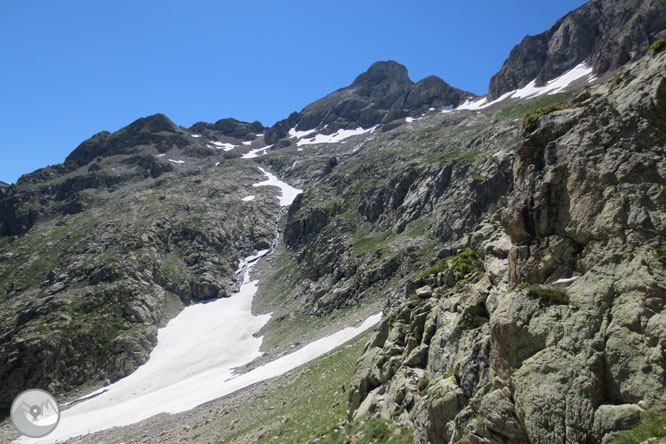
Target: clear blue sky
column 69, row 69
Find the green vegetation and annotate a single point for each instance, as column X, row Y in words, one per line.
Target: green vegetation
column 658, row 46
column 374, row 431
column 423, row 383
column 661, row 254
column 309, row 406
column 547, row 295
column 615, row 82
column 516, row 110
column 529, row 121
column 462, row 264
column 652, row 425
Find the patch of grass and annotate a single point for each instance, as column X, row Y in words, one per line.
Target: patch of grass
column 658, row 46
column 423, row 383
column 661, row 254
column 615, row 82
column 529, row 121
column 515, row 110
column 463, row 263
column 308, row 407
column 373, row 242
column 652, row 425
column 546, row 295
column 428, row 130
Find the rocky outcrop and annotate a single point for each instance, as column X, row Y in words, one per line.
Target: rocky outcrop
column 153, row 131
column 229, row 127
column 605, row 34
column 561, row 337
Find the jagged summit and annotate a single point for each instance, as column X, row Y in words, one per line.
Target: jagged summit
column 230, row 127
column 382, row 74
column 380, row 95
column 605, row 34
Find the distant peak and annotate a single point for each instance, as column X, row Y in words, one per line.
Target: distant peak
column 381, row 71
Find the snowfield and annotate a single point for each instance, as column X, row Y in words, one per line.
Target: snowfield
column 194, row 360
column 530, row 90
column 336, row 137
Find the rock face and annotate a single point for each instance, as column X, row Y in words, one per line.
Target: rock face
column 229, row 127
column 380, row 95
column 560, row 338
column 605, row 34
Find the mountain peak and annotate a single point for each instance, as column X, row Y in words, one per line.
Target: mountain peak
column 383, row 71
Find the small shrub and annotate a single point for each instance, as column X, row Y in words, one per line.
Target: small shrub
column 658, row 46
column 530, row 119
column 463, row 263
column 652, row 425
column 548, row 295
column 423, row 383
column 376, row 430
column 661, row 254
column 615, row 82
column 449, row 373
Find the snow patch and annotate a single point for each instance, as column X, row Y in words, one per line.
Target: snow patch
column 256, row 152
column 247, row 142
column 336, row 137
column 530, row 90
column 287, row 192
column 300, row 134
column 196, row 135
column 224, row 146
column 247, row 198
column 553, row 86
column 161, row 155
column 177, row 162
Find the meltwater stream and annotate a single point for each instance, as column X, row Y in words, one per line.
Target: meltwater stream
column 194, row 358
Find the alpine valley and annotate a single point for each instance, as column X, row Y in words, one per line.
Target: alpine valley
column 397, row 262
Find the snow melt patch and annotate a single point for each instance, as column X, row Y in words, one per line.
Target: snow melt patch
column 336, row 137
column 247, row 142
column 287, row 192
column 177, row 162
column 531, row 90
column 247, row 198
column 196, row 135
column 300, row 134
column 554, row 86
column 256, row 152
column 224, row 146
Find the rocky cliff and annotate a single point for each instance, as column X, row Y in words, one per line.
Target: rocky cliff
column 605, row 34
column 550, row 326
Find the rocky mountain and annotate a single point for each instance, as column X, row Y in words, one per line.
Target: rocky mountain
column 99, row 251
column 549, row 326
column 382, row 94
column 518, row 252
column 605, row 34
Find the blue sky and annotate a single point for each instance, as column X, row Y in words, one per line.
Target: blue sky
column 73, row 68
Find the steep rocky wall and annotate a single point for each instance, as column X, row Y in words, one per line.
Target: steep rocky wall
column 561, row 337
column 605, row 34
